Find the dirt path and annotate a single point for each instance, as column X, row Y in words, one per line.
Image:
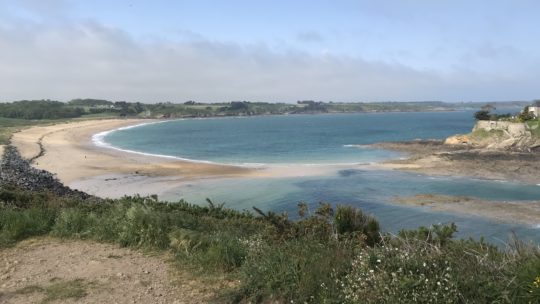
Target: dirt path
column 47, row 270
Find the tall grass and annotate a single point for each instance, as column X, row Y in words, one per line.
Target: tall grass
column 327, row 257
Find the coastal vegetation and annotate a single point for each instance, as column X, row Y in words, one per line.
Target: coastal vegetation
column 19, row 114
column 50, row 109
column 485, row 113
column 331, row 254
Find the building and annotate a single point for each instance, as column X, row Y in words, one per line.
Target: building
column 534, row 110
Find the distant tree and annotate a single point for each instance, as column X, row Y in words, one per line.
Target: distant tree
column 488, row 107
column 239, row 105
column 39, row 109
column 89, row 102
column 525, row 115
column 190, row 103
column 482, row 115
column 536, row 102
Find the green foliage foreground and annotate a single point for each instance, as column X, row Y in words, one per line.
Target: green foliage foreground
column 328, row 256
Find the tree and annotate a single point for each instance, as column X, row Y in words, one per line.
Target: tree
column 488, row 107
column 482, row 115
column 525, row 115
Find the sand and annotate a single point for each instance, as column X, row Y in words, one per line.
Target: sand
column 68, row 152
column 512, row 212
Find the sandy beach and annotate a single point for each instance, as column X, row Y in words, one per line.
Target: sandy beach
column 67, row 151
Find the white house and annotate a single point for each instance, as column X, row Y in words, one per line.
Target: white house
column 534, row 110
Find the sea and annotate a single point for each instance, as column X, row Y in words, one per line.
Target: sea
column 337, row 143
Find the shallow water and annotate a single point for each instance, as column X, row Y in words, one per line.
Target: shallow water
column 326, row 139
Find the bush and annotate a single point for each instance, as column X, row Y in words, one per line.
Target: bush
column 143, row 227
column 389, row 274
column 482, row 115
column 74, row 222
column 297, row 270
column 350, row 220
column 211, row 253
column 16, row 224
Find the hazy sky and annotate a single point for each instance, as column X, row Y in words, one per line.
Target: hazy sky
column 270, row 50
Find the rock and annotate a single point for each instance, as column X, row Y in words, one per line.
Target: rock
column 498, row 135
column 16, row 171
column 457, row 140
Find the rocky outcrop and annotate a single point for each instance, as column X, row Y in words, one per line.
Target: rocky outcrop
column 498, row 135
column 457, row 140
column 17, row 172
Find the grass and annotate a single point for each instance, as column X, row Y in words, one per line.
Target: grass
column 534, row 127
column 482, row 134
column 57, row 291
column 63, row 290
column 334, row 255
column 8, row 126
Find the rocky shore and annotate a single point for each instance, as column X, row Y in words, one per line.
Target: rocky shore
column 17, row 172
column 437, row 158
column 500, row 135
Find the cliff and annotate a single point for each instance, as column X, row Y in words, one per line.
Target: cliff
column 500, row 135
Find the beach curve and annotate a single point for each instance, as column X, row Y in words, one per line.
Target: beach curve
column 67, row 150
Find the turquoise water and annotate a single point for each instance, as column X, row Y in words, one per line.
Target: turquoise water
column 289, row 139
column 325, row 139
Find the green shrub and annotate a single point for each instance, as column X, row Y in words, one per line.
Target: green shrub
column 142, row 227
column 525, row 288
column 389, row 274
column 74, row 222
column 350, row 220
column 17, row 224
column 298, row 270
column 436, row 234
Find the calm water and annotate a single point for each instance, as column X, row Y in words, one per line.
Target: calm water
column 289, row 139
column 325, row 139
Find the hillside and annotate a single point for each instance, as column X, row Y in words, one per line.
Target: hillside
column 500, row 135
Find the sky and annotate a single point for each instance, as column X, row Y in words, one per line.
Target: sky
column 273, row 51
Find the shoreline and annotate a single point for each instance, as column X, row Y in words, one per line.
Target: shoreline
column 67, row 151
column 97, row 140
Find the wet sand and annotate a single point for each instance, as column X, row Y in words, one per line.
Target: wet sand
column 435, row 158
column 513, row 212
